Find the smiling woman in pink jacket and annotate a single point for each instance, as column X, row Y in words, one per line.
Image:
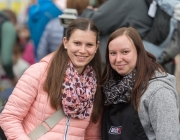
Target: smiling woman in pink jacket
column 66, row 80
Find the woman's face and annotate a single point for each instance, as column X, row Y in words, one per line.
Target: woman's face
column 122, row 55
column 81, row 48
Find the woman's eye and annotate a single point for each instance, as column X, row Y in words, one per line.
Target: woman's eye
column 125, row 52
column 112, row 53
column 89, row 45
column 77, row 43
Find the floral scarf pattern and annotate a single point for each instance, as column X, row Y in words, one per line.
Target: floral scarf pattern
column 118, row 89
column 78, row 91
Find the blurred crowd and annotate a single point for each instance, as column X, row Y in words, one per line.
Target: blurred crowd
column 36, row 31
column 32, row 34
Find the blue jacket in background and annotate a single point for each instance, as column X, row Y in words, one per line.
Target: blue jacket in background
column 39, row 15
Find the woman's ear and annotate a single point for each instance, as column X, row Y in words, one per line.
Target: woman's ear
column 98, row 43
column 65, row 42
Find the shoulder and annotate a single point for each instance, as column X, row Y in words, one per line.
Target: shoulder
column 40, row 67
column 159, row 87
column 162, row 80
column 47, row 59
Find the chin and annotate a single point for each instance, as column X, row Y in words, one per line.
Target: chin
column 121, row 73
column 80, row 64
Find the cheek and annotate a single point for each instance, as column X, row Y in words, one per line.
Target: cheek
column 92, row 51
column 71, row 49
column 70, row 53
column 111, row 60
column 91, row 56
column 135, row 63
column 134, row 60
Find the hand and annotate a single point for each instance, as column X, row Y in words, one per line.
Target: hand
column 164, row 58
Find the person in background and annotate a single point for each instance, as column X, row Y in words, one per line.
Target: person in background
column 67, row 80
column 27, row 45
column 39, row 14
column 52, row 35
column 141, row 102
column 19, row 64
column 7, row 40
column 169, row 53
column 163, row 38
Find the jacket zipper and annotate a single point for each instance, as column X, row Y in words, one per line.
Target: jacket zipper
column 67, row 127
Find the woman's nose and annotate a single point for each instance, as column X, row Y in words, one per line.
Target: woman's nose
column 82, row 49
column 119, row 58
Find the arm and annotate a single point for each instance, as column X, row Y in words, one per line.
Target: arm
column 93, row 131
column 8, row 38
column 163, row 113
column 19, row 104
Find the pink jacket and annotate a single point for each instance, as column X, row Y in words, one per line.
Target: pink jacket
column 29, row 105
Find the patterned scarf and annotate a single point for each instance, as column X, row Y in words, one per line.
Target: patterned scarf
column 118, row 89
column 78, row 92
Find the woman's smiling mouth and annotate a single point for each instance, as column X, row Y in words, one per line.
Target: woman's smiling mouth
column 81, row 57
column 120, row 66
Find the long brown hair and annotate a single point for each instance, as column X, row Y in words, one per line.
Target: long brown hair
column 146, row 64
column 56, row 71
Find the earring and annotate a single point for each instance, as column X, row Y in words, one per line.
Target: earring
column 65, row 47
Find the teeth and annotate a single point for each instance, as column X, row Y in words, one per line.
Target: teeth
column 81, row 56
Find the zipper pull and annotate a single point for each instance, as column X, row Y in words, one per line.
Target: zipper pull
column 68, row 121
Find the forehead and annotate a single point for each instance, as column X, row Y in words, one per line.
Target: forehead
column 121, row 42
column 83, row 34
